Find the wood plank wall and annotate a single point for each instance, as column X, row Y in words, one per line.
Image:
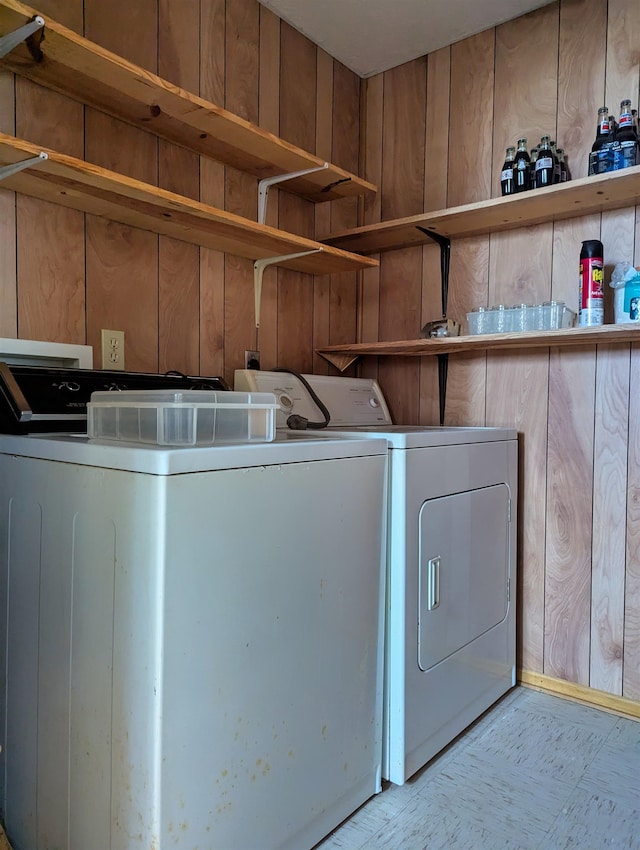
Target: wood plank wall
column 577, row 411
column 431, row 133
column 66, row 275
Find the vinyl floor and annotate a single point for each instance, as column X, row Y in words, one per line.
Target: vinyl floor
column 535, row 772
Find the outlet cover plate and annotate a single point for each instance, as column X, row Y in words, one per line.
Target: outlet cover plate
column 112, row 349
column 251, row 359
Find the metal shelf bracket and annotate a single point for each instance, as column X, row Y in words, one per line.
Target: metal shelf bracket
column 12, row 39
column 265, row 184
column 15, row 167
column 258, row 270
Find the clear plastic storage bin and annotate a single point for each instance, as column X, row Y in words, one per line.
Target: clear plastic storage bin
column 552, row 315
column 182, row 418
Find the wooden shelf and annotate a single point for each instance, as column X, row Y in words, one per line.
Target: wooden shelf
column 80, row 185
column 83, row 70
column 342, row 356
column 587, row 195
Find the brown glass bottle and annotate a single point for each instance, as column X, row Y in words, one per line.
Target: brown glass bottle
column 545, row 165
column 521, row 167
column 626, row 135
column 603, row 130
column 507, row 181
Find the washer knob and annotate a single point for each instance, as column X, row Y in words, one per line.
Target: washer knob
column 286, row 401
column 373, row 402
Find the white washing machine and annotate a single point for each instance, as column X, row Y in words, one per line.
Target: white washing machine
column 451, row 562
column 192, row 650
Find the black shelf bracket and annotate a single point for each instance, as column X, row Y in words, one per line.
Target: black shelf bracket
column 443, row 359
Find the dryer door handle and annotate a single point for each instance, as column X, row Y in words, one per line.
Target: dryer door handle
column 433, row 583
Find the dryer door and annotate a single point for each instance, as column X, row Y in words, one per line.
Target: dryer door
column 463, row 570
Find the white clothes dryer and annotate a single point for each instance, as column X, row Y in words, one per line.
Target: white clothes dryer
column 450, row 640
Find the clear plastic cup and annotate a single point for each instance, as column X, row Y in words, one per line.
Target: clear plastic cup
column 499, row 311
column 477, row 320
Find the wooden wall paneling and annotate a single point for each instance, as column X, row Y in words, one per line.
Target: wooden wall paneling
column 520, row 272
column 468, row 180
column 618, row 233
column 179, row 171
column 438, row 130
column 269, row 119
column 372, row 100
column 402, row 186
column 583, row 48
column 8, row 279
column 50, row 239
column 609, row 511
column 436, row 167
column 631, row 634
column 403, row 141
column 609, row 481
column 569, row 511
column 322, row 284
column 429, row 404
column 212, row 266
column 468, row 283
column 241, row 194
column 122, row 262
column 517, row 397
column 400, row 315
column 298, row 91
column 582, row 43
column 343, row 303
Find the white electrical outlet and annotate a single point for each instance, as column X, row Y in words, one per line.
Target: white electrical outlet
column 112, row 349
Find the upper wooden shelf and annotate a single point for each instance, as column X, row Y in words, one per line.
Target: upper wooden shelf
column 85, row 71
column 82, row 186
column 577, row 197
column 342, row 356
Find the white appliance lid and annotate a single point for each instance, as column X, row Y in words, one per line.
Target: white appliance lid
column 288, row 447
column 427, row 436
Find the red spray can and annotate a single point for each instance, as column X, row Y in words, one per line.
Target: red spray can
column 591, row 292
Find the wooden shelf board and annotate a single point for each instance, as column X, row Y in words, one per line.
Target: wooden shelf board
column 342, row 356
column 587, row 195
column 83, row 70
column 82, row 186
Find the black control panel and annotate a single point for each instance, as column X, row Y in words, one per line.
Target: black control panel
column 39, row 399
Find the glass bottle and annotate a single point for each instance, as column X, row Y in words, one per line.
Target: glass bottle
column 602, row 136
column 564, row 171
column 521, row 167
column 532, row 167
column 626, row 136
column 557, row 172
column 507, row 182
column 544, row 164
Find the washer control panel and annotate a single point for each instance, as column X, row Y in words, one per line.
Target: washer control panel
column 352, row 402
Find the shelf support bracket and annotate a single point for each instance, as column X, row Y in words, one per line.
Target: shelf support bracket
column 258, row 270
column 265, row 184
column 15, row 167
column 443, row 359
column 11, row 40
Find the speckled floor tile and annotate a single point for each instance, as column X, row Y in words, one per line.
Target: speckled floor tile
column 565, row 711
column 533, row 743
column 615, row 770
column 535, row 772
column 594, row 822
column 353, row 833
column 503, row 799
column 426, row 825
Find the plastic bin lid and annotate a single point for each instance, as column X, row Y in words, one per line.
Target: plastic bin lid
column 182, row 398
